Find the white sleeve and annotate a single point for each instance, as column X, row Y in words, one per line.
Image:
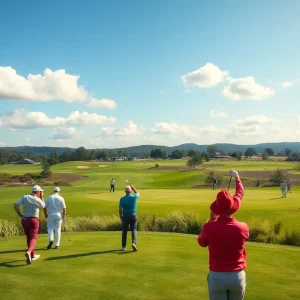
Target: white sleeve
column 20, row 201
column 63, row 204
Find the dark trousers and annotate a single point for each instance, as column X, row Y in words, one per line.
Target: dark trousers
column 129, row 219
column 112, row 187
column 31, row 229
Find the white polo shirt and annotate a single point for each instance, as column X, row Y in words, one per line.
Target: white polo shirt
column 55, row 203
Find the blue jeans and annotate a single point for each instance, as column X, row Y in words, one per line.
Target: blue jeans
column 227, row 285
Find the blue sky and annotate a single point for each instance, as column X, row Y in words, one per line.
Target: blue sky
column 122, row 73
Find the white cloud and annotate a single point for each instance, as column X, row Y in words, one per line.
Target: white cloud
column 253, row 120
column 205, row 77
column 298, row 120
column 208, row 129
column 187, row 91
column 174, row 129
column 246, row 88
column 63, row 133
column 287, row 84
column 130, row 130
column 27, row 139
column 20, row 119
column 257, row 125
column 218, row 114
column 77, row 118
column 2, row 144
column 102, row 103
column 52, row 85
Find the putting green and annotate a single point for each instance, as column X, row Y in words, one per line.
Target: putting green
column 166, row 266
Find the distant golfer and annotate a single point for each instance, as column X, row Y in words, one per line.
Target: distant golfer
column 215, row 182
column 127, row 211
column 30, row 219
column 225, row 238
column 55, row 213
column 112, row 185
column 283, row 189
column 289, row 185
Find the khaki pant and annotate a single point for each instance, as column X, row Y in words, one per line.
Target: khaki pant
column 227, row 285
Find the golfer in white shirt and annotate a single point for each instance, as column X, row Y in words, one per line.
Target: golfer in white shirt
column 55, row 212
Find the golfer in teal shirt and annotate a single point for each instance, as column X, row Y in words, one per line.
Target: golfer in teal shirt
column 127, row 211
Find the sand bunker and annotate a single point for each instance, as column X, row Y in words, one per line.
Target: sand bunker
column 82, row 167
column 102, row 166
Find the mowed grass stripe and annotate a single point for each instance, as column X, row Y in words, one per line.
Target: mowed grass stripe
column 167, row 266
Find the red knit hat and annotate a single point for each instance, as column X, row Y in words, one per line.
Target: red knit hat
column 225, row 204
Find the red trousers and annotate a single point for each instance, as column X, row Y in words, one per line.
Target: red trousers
column 31, row 229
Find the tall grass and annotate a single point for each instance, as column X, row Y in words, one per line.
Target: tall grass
column 177, row 221
column 8, row 229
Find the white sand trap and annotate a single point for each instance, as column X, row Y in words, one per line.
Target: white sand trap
column 83, row 167
column 102, row 166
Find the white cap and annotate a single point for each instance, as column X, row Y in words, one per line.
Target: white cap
column 56, row 189
column 128, row 188
column 37, row 188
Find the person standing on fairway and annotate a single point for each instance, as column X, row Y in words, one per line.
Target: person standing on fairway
column 127, row 211
column 30, row 219
column 55, row 213
column 283, row 189
column 225, row 238
column 112, row 185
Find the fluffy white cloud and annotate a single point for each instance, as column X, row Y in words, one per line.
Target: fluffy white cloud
column 253, row 120
column 20, row 119
column 63, row 133
column 246, row 88
column 27, row 139
column 205, row 77
column 77, row 118
column 2, row 144
column 130, row 130
column 52, row 85
column 218, row 114
column 287, row 84
column 102, row 103
column 257, row 125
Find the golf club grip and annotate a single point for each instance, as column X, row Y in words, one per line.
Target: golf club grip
column 229, row 183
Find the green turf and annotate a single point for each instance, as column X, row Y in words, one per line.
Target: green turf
column 162, row 191
column 167, row 266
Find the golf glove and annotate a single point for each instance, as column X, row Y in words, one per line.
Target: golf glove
column 234, row 173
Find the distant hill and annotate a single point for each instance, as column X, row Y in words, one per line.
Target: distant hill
column 145, row 149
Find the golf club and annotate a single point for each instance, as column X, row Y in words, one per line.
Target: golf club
column 127, row 182
column 229, row 183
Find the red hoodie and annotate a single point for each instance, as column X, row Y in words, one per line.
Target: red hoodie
column 226, row 239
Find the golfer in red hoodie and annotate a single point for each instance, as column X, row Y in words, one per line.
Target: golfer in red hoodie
column 225, row 238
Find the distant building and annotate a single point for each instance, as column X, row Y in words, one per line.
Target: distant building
column 25, row 161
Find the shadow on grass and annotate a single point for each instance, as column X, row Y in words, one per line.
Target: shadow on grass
column 13, row 264
column 88, row 254
column 16, row 251
column 276, row 198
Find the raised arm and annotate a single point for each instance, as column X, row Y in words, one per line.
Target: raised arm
column 239, row 189
column 134, row 189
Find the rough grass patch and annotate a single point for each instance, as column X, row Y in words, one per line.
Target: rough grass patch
column 8, row 229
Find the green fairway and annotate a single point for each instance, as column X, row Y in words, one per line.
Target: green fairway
column 166, row 266
column 162, row 190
